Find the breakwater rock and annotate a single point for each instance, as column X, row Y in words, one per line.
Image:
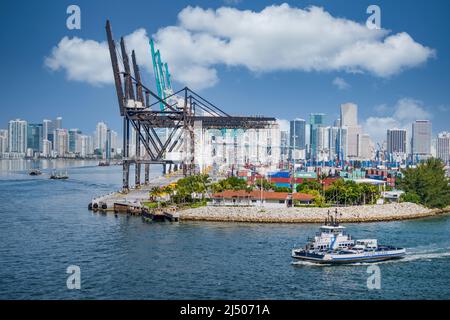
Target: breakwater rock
column 367, row 213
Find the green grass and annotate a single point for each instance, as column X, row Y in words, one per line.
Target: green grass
column 151, row 205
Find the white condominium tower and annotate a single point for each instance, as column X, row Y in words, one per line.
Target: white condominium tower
column 421, row 139
column 17, row 136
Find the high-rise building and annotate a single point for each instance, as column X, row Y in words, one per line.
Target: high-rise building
column 342, row 144
column 17, row 136
column 321, row 143
column 297, row 135
column 35, row 136
column 100, row 138
column 108, row 144
column 47, row 128
column 443, row 146
column 73, row 140
column 284, row 144
column 421, row 140
column 61, row 142
column 349, row 115
column 396, row 141
column 349, row 119
column 364, row 146
column 352, row 140
column 333, row 142
column 114, row 142
column 3, row 141
column 58, row 123
column 46, row 148
column 315, row 120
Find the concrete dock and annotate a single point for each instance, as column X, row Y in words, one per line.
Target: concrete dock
column 135, row 196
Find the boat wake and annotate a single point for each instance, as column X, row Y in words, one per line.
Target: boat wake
column 412, row 254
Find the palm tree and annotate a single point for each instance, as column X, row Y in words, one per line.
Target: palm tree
column 155, row 192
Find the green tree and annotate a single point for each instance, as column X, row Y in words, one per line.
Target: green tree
column 266, row 184
column 350, row 193
column 305, row 186
column 426, row 182
column 155, row 192
column 410, row 197
column 282, row 189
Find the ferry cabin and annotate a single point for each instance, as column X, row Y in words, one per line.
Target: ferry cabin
column 331, row 238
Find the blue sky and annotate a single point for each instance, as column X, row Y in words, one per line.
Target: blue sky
column 243, row 80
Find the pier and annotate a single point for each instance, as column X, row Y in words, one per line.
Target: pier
column 131, row 202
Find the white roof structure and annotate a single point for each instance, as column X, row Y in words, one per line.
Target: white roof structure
column 370, row 181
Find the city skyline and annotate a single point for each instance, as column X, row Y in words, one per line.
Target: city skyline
column 383, row 92
column 50, row 139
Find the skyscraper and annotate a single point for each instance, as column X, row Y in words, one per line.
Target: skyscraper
column 73, row 140
column 396, row 141
column 315, row 120
column 349, row 120
column 100, row 137
column 47, row 128
column 61, row 142
column 297, row 134
column 284, row 144
column 3, row 141
column 321, row 143
column 108, row 144
column 364, row 144
column 443, row 146
column 341, row 144
column 35, row 136
column 349, row 115
column 58, row 123
column 421, row 140
column 333, row 142
column 17, row 136
column 46, row 148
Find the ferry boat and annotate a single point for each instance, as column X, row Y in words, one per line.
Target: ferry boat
column 332, row 245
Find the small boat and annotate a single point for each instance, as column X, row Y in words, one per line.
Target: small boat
column 35, row 172
column 103, row 164
column 332, row 245
column 59, row 176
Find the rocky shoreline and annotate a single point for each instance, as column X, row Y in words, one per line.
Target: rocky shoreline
column 368, row 213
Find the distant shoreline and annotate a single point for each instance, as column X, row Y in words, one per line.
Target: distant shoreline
column 354, row 214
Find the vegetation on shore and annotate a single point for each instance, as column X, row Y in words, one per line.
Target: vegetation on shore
column 426, row 184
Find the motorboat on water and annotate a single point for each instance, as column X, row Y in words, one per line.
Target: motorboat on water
column 59, row 176
column 35, row 172
column 332, row 245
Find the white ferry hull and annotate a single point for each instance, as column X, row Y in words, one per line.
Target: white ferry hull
column 337, row 258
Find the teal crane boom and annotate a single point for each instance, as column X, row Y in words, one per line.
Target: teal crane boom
column 162, row 75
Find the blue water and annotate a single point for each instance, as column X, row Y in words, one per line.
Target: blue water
column 45, row 227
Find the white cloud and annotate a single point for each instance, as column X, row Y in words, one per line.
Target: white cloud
column 340, row 83
column 277, row 38
column 405, row 111
column 286, row 38
column 89, row 61
column 83, row 60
